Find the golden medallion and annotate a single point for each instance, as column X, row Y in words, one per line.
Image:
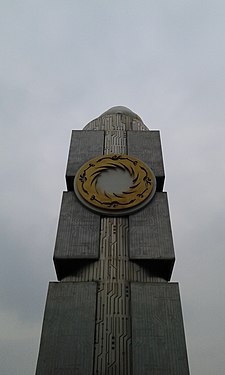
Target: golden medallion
column 115, row 183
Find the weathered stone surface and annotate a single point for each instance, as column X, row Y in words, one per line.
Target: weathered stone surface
column 67, row 341
column 84, row 146
column 77, row 236
column 147, row 147
column 150, row 236
column 158, row 341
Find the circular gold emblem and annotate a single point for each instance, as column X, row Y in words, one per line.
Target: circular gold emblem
column 115, row 184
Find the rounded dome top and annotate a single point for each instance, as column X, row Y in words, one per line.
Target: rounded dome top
column 120, row 110
column 118, row 117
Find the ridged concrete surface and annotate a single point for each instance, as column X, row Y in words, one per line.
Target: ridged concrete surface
column 83, row 147
column 68, row 330
column 158, row 341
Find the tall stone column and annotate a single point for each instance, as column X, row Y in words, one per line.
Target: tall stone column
column 114, row 311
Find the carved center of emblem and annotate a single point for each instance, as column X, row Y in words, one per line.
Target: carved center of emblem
column 115, row 184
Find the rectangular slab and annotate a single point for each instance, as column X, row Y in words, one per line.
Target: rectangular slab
column 158, row 341
column 78, row 235
column 67, row 340
column 150, row 236
column 146, row 146
column 84, row 145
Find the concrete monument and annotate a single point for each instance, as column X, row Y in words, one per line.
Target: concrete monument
column 114, row 311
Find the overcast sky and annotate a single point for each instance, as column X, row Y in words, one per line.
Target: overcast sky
column 62, row 64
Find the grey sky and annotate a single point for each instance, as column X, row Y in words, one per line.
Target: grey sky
column 63, row 63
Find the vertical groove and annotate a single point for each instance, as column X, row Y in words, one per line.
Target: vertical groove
column 113, row 321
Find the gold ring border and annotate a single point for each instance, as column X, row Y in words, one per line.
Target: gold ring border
column 143, row 182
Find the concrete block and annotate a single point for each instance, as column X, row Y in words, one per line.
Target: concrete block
column 147, row 147
column 67, row 340
column 150, row 237
column 158, row 341
column 77, row 236
column 85, row 145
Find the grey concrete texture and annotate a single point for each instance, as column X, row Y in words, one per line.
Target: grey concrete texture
column 78, row 235
column 150, row 236
column 67, row 341
column 146, row 146
column 84, row 146
column 158, row 341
